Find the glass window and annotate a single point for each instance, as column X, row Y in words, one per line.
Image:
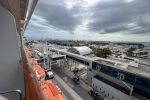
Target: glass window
column 106, row 69
column 129, row 77
column 143, row 81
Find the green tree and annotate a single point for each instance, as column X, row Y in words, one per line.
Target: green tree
column 86, row 45
column 141, row 53
column 71, row 45
column 145, row 53
column 100, row 52
column 130, row 51
column 64, row 44
column 77, row 45
column 107, row 51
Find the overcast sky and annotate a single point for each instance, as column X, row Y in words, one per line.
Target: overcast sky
column 100, row 20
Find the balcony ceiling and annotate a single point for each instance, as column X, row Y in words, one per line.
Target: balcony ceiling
column 18, row 8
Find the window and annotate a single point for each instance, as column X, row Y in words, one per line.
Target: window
column 120, row 76
column 98, row 68
column 129, row 77
column 115, row 72
column 106, row 69
column 108, row 93
column 143, row 81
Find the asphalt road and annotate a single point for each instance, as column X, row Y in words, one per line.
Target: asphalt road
column 76, row 87
column 65, row 92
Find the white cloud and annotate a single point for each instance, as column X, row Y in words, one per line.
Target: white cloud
column 86, row 19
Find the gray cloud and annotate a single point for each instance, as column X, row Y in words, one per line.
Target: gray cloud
column 110, row 16
column 116, row 29
column 116, row 15
column 58, row 15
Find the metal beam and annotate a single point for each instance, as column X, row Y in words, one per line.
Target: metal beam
column 6, row 5
column 15, row 10
column 33, row 5
column 1, row 2
column 27, row 5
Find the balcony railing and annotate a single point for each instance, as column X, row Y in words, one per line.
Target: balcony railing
column 32, row 89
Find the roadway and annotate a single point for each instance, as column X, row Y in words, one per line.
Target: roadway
column 77, row 88
column 70, row 90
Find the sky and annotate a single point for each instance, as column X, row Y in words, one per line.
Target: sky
column 97, row 20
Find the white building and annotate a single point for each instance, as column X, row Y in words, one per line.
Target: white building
column 83, row 50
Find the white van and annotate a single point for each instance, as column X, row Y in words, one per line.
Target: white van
column 50, row 74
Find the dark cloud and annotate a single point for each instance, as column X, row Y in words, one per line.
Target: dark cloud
column 116, row 29
column 116, row 15
column 58, row 15
column 141, row 30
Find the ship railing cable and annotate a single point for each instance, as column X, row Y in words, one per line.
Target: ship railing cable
column 17, row 91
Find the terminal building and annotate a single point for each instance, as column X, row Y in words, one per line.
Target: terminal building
column 117, row 81
column 84, row 50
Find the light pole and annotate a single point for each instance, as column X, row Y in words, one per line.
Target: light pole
column 49, row 58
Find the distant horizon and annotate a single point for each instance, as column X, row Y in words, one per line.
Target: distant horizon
column 105, row 20
column 88, row 40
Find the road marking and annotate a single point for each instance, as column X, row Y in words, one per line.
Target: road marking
column 65, row 79
column 71, row 91
column 71, row 85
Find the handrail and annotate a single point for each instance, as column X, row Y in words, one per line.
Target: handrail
column 18, row 91
column 32, row 89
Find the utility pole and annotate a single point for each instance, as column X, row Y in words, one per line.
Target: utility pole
column 43, row 54
column 49, row 49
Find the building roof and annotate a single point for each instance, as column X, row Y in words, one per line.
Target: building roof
column 83, row 50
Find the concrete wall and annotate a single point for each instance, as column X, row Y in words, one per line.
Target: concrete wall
column 11, row 69
column 90, row 75
column 112, row 79
column 110, row 92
